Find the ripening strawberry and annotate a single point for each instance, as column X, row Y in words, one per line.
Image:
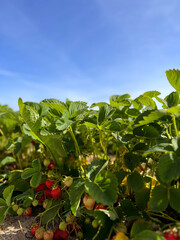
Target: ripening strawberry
column 89, row 202
column 68, row 181
column 48, row 235
column 39, row 234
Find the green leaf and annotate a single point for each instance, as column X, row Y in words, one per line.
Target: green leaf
column 7, row 160
column 159, row 199
column 146, row 131
column 26, row 194
column 75, row 192
column 2, row 202
column 173, row 77
column 151, row 117
column 129, row 209
column 55, row 104
column 148, row 235
column 131, row 160
column 139, row 226
column 50, row 214
column 174, row 198
column 142, row 197
column 3, row 212
column 36, row 179
column 95, row 168
column 104, row 113
column 168, row 167
column 172, row 99
column 162, row 147
column 104, row 189
column 174, row 110
column 28, row 172
column 135, row 181
column 110, row 213
column 7, row 194
column 36, row 164
column 77, row 108
column 28, row 201
column 121, row 175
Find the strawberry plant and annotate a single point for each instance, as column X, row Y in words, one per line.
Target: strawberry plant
column 108, row 171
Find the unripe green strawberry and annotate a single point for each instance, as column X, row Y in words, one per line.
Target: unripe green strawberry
column 95, row 223
column 15, row 207
column 50, row 173
column 20, row 211
column 80, row 235
column 87, row 220
column 63, row 225
column 35, row 203
column 46, row 162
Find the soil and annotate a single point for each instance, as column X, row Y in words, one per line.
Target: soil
column 16, row 228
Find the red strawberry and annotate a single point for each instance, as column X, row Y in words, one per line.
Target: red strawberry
column 33, row 142
column 89, row 202
column 51, row 166
column 100, row 206
column 48, row 193
column 48, row 235
column 28, row 211
column 49, row 183
column 56, row 192
column 34, row 227
column 41, row 199
column 40, row 188
column 60, row 234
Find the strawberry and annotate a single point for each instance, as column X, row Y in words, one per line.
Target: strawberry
column 60, row 234
column 40, row 188
column 15, row 207
column 39, row 234
column 45, row 203
column 56, row 192
column 48, row 193
column 20, row 211
column 34, row 227
column 33, row 142
column 70, row 218
column 51, row 166
column 48, row 235
column 100, row 206
column 89, row 202
column 28, row 211
column 49, row 183
column 68, row 181
column 63, row 225
column 41, row 199
column 46, row 162
column 35, row 203
column 95, row 223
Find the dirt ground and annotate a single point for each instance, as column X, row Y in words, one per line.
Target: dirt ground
column 16, row 228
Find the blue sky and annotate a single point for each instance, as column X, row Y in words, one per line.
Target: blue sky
column 86, row 49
